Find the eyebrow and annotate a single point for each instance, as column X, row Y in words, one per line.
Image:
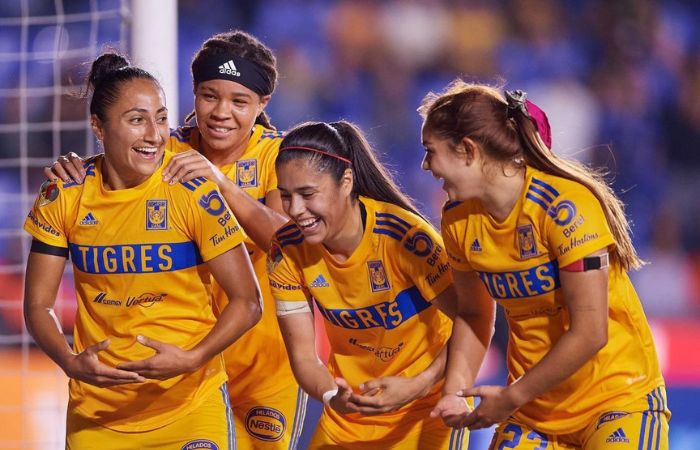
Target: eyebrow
column 215, row 91
column 143, row 110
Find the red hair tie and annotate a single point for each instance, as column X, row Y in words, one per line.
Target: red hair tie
column 315, row 150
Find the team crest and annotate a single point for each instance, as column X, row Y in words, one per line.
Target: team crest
column 274, row 256
column 247, row 172
column 157, row 215
column 526, row 242
column 377, row 276
column 48, row 193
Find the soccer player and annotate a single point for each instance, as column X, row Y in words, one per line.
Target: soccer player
column 548, row 239
column 235, row 145
column 145, row 367
column 377, row 271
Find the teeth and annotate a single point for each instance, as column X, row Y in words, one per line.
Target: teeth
column 148, row 150
column 306, row 222
column 222, row 130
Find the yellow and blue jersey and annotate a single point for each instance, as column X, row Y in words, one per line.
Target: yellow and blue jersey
column 554, row 223
column 377, row 307
column 254, row 372
column 137, row 258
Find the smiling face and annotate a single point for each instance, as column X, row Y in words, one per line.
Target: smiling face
column 133, row 133
column 314, row 200
column 459, row 170
column 226, row 112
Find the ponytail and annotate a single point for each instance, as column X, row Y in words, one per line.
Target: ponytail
column 513, row 132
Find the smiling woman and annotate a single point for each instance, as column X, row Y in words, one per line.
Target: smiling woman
column 139, row 244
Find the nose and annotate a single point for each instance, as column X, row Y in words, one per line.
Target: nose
column 424, row 164
column 221, row 110
column 154, row 133
column 295, row 206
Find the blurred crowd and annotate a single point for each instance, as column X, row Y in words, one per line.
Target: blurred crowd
column 620, row 81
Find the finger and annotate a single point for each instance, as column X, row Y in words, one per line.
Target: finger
column 119, row 375
column 180, row 161
column 366, row 401
column 48, row 173
column 140, row 366
column 152, row 343
column 74, row 165
column 470, row 392
column 60, row 172
column 370, row 385
column 95, row 348
column 369, row 411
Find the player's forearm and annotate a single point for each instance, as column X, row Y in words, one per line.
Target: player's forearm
column 435, row 371
column 237, row 317
column 313, row 377
column 44, row 327
column 258, row 221
column 567, row 356
column 470, row 339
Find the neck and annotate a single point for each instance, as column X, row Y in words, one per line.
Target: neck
column 114, row 181
column 502, row 192
column 342, row 245
column 222, row 158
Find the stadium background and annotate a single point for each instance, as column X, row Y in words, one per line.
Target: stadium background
column 620, row 82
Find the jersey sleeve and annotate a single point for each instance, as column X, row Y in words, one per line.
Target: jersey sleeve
column 46, row 219
column 576, row 226
column 215, row 228
column 286, row 281
column 454, row 238
column 423, row 257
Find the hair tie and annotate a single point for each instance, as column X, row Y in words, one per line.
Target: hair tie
column 517, row 101
column 315, row 150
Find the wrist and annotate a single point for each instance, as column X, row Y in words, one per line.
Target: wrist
column 517, row 395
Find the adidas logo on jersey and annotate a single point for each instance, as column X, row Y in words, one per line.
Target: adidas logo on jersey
column 229, row 68
column 475, row 246
column 89, row 219
column 617, row 436
column 319, row 282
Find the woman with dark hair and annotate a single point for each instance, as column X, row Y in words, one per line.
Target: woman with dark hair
column 144, row 368
column 376, row 270
column 548, row 239
column 234, row 144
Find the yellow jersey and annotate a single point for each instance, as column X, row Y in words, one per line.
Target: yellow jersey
column 257, row 363
column 554, row 223
column 137, row 259
column 377, row 307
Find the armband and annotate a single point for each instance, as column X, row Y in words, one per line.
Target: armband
column 594, row 262
column 328, row 395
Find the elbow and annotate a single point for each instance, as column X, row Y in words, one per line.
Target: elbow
column 597, row 339
column 255, row 310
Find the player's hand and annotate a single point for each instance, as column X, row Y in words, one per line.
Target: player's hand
column 341, row 401
column 497, row 404
column 192, row 164
column 169, row 361
column 387, row 394
column 453, row 410
column 67, row 167
column 86, row 367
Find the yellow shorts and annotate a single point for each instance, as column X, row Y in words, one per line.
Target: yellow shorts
column 428, row 434
column 271, row 423
column 208, row 427
column 632, row 428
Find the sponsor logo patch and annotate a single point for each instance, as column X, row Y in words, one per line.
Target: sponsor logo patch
column 266, row 424
column 212, row 203
column 48, row 193
column 419, row 244
column 200, row 444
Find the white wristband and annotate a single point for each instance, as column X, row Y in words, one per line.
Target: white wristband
column 328, row 395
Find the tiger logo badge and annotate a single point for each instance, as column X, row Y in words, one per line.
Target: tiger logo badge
column 377, row 276
column 526, row 242
column 157, row 215
column 247, row 173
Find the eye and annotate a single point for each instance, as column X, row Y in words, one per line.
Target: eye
column 136, row 120
column 163, row 119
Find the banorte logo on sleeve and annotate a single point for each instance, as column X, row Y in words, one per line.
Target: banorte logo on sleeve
column 266, row 424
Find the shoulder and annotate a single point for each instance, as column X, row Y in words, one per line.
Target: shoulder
column 289, row 235
column 182, row 134
column 453, row 212
column 269, row 141
column 558, row 198
column 410, row 231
